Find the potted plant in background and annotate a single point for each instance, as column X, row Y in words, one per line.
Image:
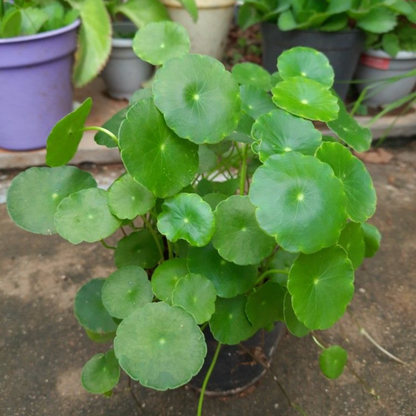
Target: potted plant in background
column 208, row 262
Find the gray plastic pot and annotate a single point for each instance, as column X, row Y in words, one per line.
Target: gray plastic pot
column 124, row 72
column 375, row 66
column 343, row 49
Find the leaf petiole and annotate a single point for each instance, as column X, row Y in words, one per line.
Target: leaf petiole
column 103, row 130
column 266, row 273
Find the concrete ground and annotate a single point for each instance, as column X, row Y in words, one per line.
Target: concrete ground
column 42, row 348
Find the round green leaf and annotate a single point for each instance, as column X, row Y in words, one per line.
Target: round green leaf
column 137, row 249
column 248, row 73
column 89, row 308
column 153, row 154
column 128, row 199
column 187, row 217
column 198, row 98
column 306, row 98
column 161, row 346
column 100, row 338
column 166, row 276
column 229, row 324
column 126, row 290
column 372, row 238
column 229, row 279
column 238, row 237
column 379, row 20
column 280, row 132
column 196, row 294
column 265, row 306
column 282, row 260
column 214, row 199
column 321, row 286
column 101, row 373
column 207, row 159
column 307, row 63
column 358, row 186
column 255, row 102
column 158, row 42
column 85, row 216
column 332, row 361
column 352, row 241
column 34, row 195
column 293, row 324
column 300, row 202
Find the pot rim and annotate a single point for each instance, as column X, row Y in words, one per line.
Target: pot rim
column 351, row 30
column 401, row 56
column 42, row 35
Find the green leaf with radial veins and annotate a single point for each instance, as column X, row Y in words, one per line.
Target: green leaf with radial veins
column 282, row 260
column 352, row 241
column 128, row 199
column 229, row 324
column 196, row 294
column 248, row 73
column 158, row 42
column 89, row 308
column 101, row 373
column 306, row 98
column 372, row 239
column 143, row 12
column 280, row 132
column 255, row 102
column 166, row 276
column 187, row 217
column 238, row 237
column 378, row 20
column 293, row 324
column 198, row 98
column 307, row 63
column 358, row 186
column 34, row 195
column 126, row 290
column 322, row 286
column 350, row 131
column 265, row 306
column 94, row 40
column 160, row 346
column 153, row 154
column 85, row 216
column 299, row 202
column 66, row 135
column 332, row 361
column 229, row 279
column 113, row 125
column 137, row 249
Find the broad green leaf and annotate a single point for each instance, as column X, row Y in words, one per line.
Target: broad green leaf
column 379, row 20
column 101, row 373
column 161, row 346
column 158, row 42
column 299, row 202
column 113, row 125
column 280, row 132
column 32, row 20
column 238, row 237
column 187, row 217
column 94, row 40
column 248, row 73
column 85, row 216
column 286, row 21
column 228, row 187
column 332, row 361
column 229, row 324
column 34, row 195
column 11, row 24
column 335, row 23
column 255, row 102
column 372, row 239
column 248, row 15
column 66, row 135
column 196, row 294
column 191, row 7
column 141, row 94
column 242, row 132
column 55, row 11
column 321, row 286
column 153, row 154
column 265, row 306
column 229, row 279
column 100, row 338
column 306, row 98
column 358, row 186
column 138, row 249
column 214, row 199
column 89, row 308
column 126, row 290
column 350, row 131
column 282, row 260
column 128, row 199
column 166, row 276
column 207, row 159
column 352, row 241
column 391, row 44
column 198, row 98
column 293, row 324
column 275, row 79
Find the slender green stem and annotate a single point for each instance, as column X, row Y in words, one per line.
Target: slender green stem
column 243, row 171
column 265, row 274
column 107, row 246
column 317, row 342
column 206, row 379
column 203, row 326
column 154, row 235
column 170, row 249
column 103, row 130
column 123, row 231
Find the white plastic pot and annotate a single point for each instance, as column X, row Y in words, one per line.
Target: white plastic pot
column 210, row 33
column 377, row 66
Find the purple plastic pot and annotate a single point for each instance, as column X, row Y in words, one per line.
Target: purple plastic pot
column 36, row 89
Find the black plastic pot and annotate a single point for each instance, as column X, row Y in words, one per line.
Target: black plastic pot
column 235, row 369
column 343, row 49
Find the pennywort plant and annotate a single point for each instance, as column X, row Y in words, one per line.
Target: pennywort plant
column 234, row 211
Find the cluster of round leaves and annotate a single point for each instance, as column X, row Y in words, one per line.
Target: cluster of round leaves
column 309, row 198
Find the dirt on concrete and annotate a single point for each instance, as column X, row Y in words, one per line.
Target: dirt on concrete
column 43, row 349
